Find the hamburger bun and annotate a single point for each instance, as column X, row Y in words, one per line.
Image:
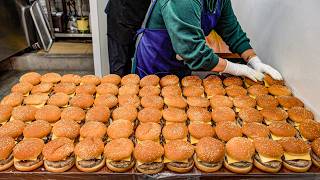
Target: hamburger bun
column 193, row 91
column 257, row 90
column 120, row 129
column 74, row 114
column 281, row 129
column 22, row 87
column 310, row 130
column 130, row 79
column 24, row 113
column 269, row 81
column 7, row 144
column 212, row 80
column 42, row 88
column 37, row 129
column 107, row 100
column 59, row 99
column 5, row 113
column 241, row 102
column 129, row 89
column 148, row 131
column 12, row 129
column 51, row 78
column 228, row 130
column 174, row 115
column 149, row 91
column 315, row 153
column 111, row 78
column 273, row 114
column 191, row 81
column 71, row 78
column 98, row 113
column 288, row 102
column 255, row 130
column 222, row 114
column 93, row 129
column 175, row 131
column 175, row 101
column 66, row 88
column 66, row 128
column 279, row 90
column 198, row 114
column 89, row 89
column 248, row 82
column 248, row 115
column 36, row 100
column 48, row 113
column 129, row 100
column 232, row 80
column 234, row 91
column 149, row 115
column 83, row 101
column 220, row 101
column 13, row 100
column 266, row 101
column 199, row 130
column 212, row 90
column 299, row 114
column 152, row 102
column 31, row 77
column 173, row 90
column 90, row 79
column 150, row 80
column 198, row 102
column 129, row 113
column 169, row 80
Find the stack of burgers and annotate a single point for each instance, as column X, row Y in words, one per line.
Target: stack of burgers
column 150, row 124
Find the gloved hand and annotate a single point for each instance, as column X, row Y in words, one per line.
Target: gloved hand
column 256, row 64
column 243, row 70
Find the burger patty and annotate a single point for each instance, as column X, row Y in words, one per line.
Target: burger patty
column 298, row 162
column 151, row 166
column 30, row 162
column 314, row 156
column 47, row 138
column 271, row 164
column 121, row 164
column 60, row 164
column 182, row 164
column 240, row 164
column 6, row 161
column 208, row 164
column 90, row 163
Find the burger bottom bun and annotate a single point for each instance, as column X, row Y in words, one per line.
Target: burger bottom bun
column 6, row 166
column 115, row 169
column 153, row 171
column 27, row 168
column 265, row 168
column 58, row 170
column 205, row 168
column 93, row 169
column 315, row 162
column 180, row 170
column 297, row 169
column 236, row 169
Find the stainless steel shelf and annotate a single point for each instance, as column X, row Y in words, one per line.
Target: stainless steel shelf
column 72, row 35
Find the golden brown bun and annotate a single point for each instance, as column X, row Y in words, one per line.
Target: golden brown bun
column 129, row 100
column 31, row 77
column 89, row 148
column 169, row 80
column 130, row 79
column 282, row 129
column 48, row 113
column 180, row 169
column 315, row 145
column 212, row 90
column 200, row 130
column 50, row 78
column 111, row 78
column 221, row 101
column 73, row 113
column 254, row 130
column 89, row 89
column 42, row 88
column 118, row 149
column 175, row 101
column 58, row 149
column 191, row 81
column 90, row 79
column 234, row 91
column 149, row 91
column 257, row 90
column 297, row 169
column 267, row 101
column 148, row 151
column 240, row 148
column 299, row 114
column 22, row 87
column 98, row 113
column 174, row 115
column 107, row 100
column 210, row 150
column 149, row 115
column 279, row 90
column 37, row 129
column 274, row 114
column 150, row 80
column 28, row 149
column 5, row 113
column 71, row 78
column 178, row 150
column 148, row 131
column 198, row 114
column 198, row 102
column 233, row 80
column 227, row 130
column 93, row 129
column 222, row 114
column 92, row 169
column 27, row 168
column 13, row 99
column 244, row 102
column 107, row 88
column 294, row 146
column 13, row 128
column 58, row 99
column 57, row 170
column 289, row 102
column 175, row 131
column 129, row 89
column 173, row 90
column 265, row 168
column 66, row 88
column 249, row 82
column 36, row 99
column 7, row 144
column 24, row 113
column 120, row 129
column 193, row 91
column 272, row 81
column 204, row 168
column 212, row 80
column 268, row 147
column 83, row 101
column 152, row 102
column 250, row 115
column 125, row 112
column 66, row 128
column 310, row 129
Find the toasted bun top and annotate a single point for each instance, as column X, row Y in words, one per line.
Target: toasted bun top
column 268, row 147
column 58, row 149
column 274, row 114
column 148, row 131
column 42, row 88
column 125, row 112
column 175, row 131
column 272, row 81
column 178, row 150
column 89, row 89
column 111, row 78
column 5, row 112
column 152, row 102
column 279, row 90
column 149, row 91
column 233, row 80
column 299, row 114
column 193, row 91
column 212, row 80
column 227, row 130
column 289, row 102
column 175, row 101
column 221, row 114
column 244, row 101
column 22, row 87
column 200, row 130
column 210, row 150
column 130, row 79
column 129, row 100
column 294, row 146
column 6, row 146
column 198, row 102
column 28, row 149
column 310, row 129
column 66, row 128
column 93, row 129
column 150, row 80
column 118, row 149
column 198, row 114
column 89, row 148
column 221, row 101
column 48, row 113
column 250, row 115
column 37, row 129
column 83, row 101
column 254, row 130
column 90, row 79
column 257, row 90
column 234, row 91
column 58, row 99
column 169, row 80
column 251, row 83
column 239, row 148
column 149, row 115
column 267, row 101
column 51, row 78
column 67, row 88
column 98, row 113
column 213, row 90
column 24, row 113
column 12, row 128
column 73, row 113
column 108, row 100
column 36, row 99
column 282, row 129
column 148, row 151
column 13, row 99
column 191, row 81
column 120, row 129
column 71, row 78
column 174, row 115
column 31, row 77
column 316, row 146
column 131, row 89
column 173, row 90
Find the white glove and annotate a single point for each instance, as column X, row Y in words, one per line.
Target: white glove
column 243, row 70
column 256, row 64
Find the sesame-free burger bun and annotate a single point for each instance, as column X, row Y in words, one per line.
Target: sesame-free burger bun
column 191, row 81
column 149, row 115
column 98, row 113
column 148, row 131
column 71, row 78
column 93, row 129
column 198, row 114
column 227, row 130
column 150, row 80
column 5, row 113
column 73, row 113
column 66, row 128
column 130, row 79
column 174, row 115
column 13, row 128
column 125, row 112
column 83, row 101
column 48, row 113
column 7, row 144
column 169, row 80
column 31, row 77
column 37, row 129
column 90, row 79
column 111, row 78
column 120, row 129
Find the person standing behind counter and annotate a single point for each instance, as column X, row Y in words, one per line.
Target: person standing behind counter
column 172, row 40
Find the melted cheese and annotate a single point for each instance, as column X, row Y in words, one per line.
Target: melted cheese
column 53, row 137
column 259, row 108
column 254, row 97
column 30, row 159
column 246, row 84
column 184, row 139
column 125, row 159
column 195, row 122
column 231, row 160
column 265, row 159
column 194, row 140
column 267, row 122
column 157, row 160
column 166, row 160
column 39, row 105
column 274, row 137
column 97, row 157
column 266, row 84
column 294, row 157
column 286, row 109
column 238, row 109
column 65, row 106
column 26, row 94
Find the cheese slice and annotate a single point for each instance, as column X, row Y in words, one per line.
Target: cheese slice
column 274, row 137
column 30, row 159
column 259, row 108
column 65, row 106
column 265, row 159
column 54, row 137
column 201, row 122
column 169, row 122
column 125, row 159
column 267, row 122
column 157, row 160
column 98, row 157
column 238, row 109
column 294, row 157
column 231, row 160
column 26, row 94
column 254, row 97
column 166, row 160
column 266, row 84
column 250, row 139
column 297, row 125
column 194, row 140
column 39, row 105
column 246, row 84
column 286, row 109
column 184, row 139
column 11, row 119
